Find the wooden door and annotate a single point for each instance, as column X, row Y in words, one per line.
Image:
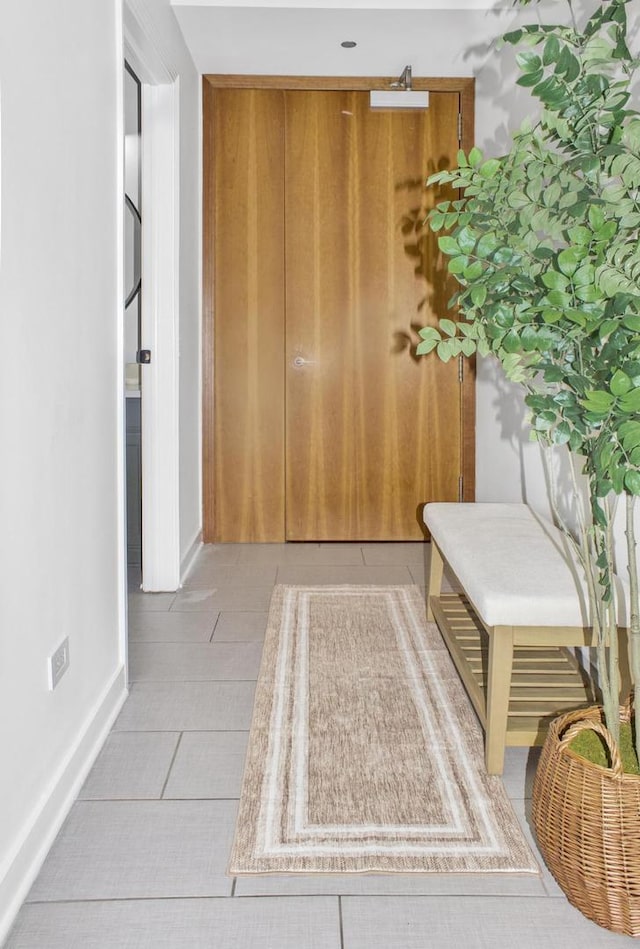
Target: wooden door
column 370, row 432
column 318, row 422
column 244, row 283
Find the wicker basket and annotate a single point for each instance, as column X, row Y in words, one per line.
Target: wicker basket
column 587, row 821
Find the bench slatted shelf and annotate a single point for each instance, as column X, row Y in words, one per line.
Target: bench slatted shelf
column 509, row 641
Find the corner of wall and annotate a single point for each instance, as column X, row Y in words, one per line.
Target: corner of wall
column 20, row 868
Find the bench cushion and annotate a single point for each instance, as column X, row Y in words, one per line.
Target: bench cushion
column 512, row 565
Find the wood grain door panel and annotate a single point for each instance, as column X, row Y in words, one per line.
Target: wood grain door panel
column 248, row 248
column 371, row 433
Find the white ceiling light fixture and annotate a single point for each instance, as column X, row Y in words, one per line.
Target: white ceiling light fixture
column 401, row 95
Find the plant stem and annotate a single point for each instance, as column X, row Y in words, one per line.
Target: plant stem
column 634, row 617
column 612, row 713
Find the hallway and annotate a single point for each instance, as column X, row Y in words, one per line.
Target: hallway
column 141, row 859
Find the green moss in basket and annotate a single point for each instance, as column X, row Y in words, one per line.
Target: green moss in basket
column 590, row 745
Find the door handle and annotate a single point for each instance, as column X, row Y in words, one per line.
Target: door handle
column 300, row 361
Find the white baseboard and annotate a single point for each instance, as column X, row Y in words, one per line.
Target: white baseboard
column 189, row 558
column 20, row 868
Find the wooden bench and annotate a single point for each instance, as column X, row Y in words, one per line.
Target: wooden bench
column 521, row 605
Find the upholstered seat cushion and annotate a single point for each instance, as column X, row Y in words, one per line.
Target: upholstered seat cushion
column 513, row 566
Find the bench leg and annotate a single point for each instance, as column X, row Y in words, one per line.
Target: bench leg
column 498, row 689
column 434, row 585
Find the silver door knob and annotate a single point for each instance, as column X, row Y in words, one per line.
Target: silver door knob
column 299, row 362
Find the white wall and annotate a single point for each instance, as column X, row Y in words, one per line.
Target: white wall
column 60, row 412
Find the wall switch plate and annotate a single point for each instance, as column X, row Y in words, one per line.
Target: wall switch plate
column 58, row 663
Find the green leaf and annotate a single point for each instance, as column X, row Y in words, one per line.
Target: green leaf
column 630, row 434
column 620, row 382
column 588, row 294
column 448, row 327
column 517, row 200
column 514, row 37
column 596, row 217
column 528, row 62
column 468, row 346
column 551, row 50
column 597, row 400
column 428, row 333
column 487, row 244
column 478, row 295
column 569, row 259
column 632, row 482
column 475, row 157
column 457, row 265
column 561, row 434
column 511, row 342
column 445, row 350
column 632, row 322
column 473, row 271
column 580, row 235
column 466, row 240
column 426, row 346
column 448, row 245
column 530, row 78
column 631, row 401
column 557, row 298
column 490, row 168
column 554, row 280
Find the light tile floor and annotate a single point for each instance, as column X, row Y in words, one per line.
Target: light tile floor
column 141, row 859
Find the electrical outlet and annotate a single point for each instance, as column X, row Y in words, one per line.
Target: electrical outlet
column 58, row 663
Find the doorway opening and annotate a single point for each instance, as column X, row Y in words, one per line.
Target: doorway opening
column 133, row 318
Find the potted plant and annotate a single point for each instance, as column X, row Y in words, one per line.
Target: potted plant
column 545, row 244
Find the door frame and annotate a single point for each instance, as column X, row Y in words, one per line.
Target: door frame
column 465, row 87
column 160, row 302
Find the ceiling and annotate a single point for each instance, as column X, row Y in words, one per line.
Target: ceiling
column 303, row 37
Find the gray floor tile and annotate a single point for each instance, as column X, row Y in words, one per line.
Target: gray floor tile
column 170, row 627
column 221, row 554
column 240, row 627
column 519, row 771
column 418, row 884
column 421, row 577
column 225, row 598
column 301, row 554
column 139, row 849
column 150, row 602
column 180, row 924
column 192, row 661
column 328, row 573
column 403, row 553
column 449, row 922
column 208, row 577
column 522, row 810
column 187, row 706
column 131, row 765
column 208, row 765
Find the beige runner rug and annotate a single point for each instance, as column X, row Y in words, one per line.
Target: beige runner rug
column 364, row 753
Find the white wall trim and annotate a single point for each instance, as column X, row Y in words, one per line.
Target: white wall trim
column 190, row 556
column 21, row 866
column 160, row 332
column 143, row 49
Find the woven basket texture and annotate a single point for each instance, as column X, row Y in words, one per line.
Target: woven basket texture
column 587, row 821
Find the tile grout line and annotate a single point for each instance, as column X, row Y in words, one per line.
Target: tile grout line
column 340, row 922
column 215, row 626
column 171, row 764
